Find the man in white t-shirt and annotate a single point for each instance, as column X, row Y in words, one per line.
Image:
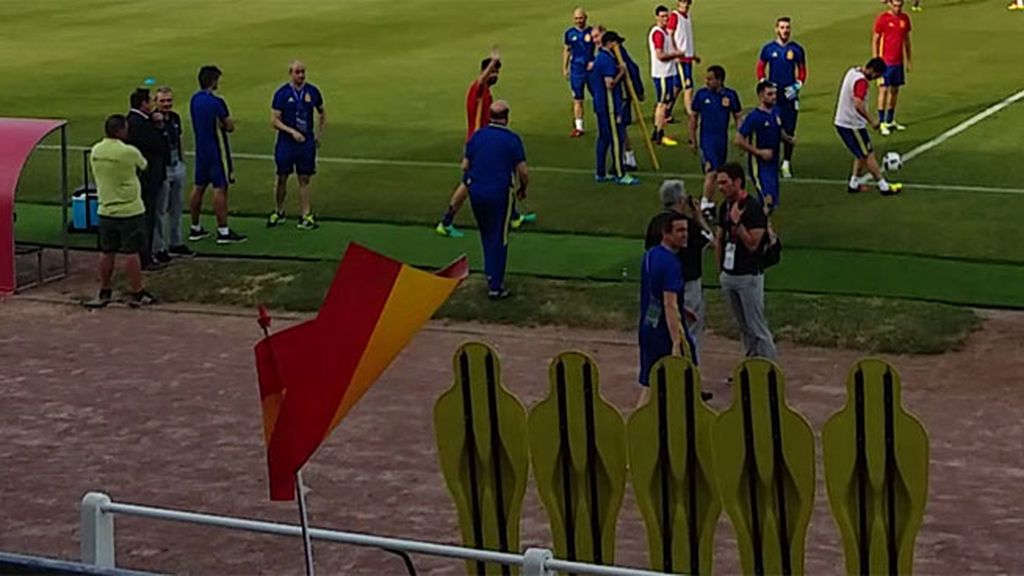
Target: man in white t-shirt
column 852, row 120
column 664, row 73
column 680, row 24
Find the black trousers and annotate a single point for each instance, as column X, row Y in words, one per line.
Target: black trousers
column 150, row 191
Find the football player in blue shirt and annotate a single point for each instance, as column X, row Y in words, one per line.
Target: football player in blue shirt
column 606, row 81
column 713, row 107
column 210, row 120
column 760, row 136
column 292, row 116
column 783, row 62
column 577, row 61
column 493, row 155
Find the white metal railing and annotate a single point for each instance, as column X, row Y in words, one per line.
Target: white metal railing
column 97, row 533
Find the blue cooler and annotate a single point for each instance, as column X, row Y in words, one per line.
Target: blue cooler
column 85, row 205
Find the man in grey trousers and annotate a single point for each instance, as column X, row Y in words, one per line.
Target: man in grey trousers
column 742, row 225
column 167, row 238
column 674, row 198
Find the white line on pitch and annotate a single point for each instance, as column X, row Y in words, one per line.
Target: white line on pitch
column 559, row 170
column 961, row 127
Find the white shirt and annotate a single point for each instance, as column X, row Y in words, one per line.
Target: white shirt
column 855, row 86
column 683, row 33
column 660, row 40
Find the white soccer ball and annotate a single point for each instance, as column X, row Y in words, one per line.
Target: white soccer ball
column 892, row 162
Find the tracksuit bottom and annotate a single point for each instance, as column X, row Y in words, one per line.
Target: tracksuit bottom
column 493, row 212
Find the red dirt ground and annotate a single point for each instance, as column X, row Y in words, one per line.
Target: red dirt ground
column 161, row 407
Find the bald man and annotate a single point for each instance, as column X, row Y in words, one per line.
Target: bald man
column 297, row 141
column 577, row 61
column 493, row 155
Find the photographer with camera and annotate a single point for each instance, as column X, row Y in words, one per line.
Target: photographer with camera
column 674, row 199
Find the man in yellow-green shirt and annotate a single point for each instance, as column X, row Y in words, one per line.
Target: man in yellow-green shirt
column 115, row 166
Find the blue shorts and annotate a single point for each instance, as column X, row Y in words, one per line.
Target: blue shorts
column 209, row 170
column 653, row 347
column 685, row 74
column 788, row 112
column 893, row 77
column 766, row 178
column 665, row 89
column 577, row 81
column 713, row 154
column 857, row 141
column 294, row 157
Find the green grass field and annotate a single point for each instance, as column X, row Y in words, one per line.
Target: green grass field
column 394, row 78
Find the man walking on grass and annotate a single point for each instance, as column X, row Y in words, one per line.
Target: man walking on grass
column 493, row 155
column 115, row 166
column 297, row 141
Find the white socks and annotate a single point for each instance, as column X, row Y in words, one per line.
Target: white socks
column 883, row 185
column 579, row 124
column 630, row 158
column 223, row 230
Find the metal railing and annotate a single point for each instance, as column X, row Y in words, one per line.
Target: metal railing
column 97, row 533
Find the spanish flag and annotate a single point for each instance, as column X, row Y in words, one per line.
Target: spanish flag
column 313, row 373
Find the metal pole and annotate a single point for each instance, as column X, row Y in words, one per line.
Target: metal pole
column 300, row 488
column 97, row 530
column 64, row 194
column 307, row 543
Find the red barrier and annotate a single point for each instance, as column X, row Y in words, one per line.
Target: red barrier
column 18, row 138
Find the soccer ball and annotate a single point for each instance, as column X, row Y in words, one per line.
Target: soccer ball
column 892, row 162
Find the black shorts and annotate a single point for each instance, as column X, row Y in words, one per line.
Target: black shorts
column 122, row 235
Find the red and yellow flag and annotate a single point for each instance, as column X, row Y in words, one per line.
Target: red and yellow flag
column 313, row 373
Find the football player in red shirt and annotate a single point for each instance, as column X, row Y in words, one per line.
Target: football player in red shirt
column 891, row 43
column 478, row 115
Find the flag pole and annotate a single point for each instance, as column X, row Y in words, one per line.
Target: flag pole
column 300, row 488
column 307, row 543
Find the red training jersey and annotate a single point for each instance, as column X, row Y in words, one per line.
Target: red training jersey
column 478, row 107
column 893, row 30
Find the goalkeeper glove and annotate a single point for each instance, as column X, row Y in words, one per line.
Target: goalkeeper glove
column 792, row 91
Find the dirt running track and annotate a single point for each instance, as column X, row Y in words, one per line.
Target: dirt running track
column 162, row 408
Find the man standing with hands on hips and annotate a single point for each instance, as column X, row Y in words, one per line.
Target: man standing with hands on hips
column 292, row 116
column 493, row 155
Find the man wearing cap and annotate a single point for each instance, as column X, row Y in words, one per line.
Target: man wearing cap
column 493, row 154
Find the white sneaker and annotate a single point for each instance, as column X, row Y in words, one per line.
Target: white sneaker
column 786, row 172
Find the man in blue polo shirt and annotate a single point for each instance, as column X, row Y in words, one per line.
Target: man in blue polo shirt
column 493, row 155
column 713, row 106
column 661, row 330
column 577, row 60
column 292, row 116
column 210, row 119
column 760, row 136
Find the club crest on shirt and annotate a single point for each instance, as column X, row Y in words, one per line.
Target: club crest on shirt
column 308, row 98
column 726, row 102
column 903, row 24
column 586, row 38
column 790, row 55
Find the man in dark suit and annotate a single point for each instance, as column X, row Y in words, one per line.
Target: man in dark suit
column 145, row 133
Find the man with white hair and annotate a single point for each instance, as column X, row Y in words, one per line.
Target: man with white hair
column 297, row 140
column 674, row 199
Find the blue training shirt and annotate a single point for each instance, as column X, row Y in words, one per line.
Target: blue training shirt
column 581, row 48
column 296, row 107
column 715, row 109
column 605, row 66
column 763, row 130
column 782, row 61
column 493, row 153
column 207, row 110
column 661, row 272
